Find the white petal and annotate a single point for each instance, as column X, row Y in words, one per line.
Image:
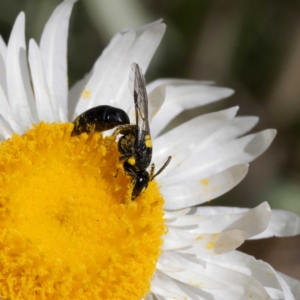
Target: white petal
column 288, row 295
column 41, row 91
column 110, row 45
column 176, row 213
column 3, row 49
column 7, row 115
column 196, row 95
column 195, row 192
column 156, row 99
column 5, row 129
column 75, row 94
column 189, row 134
column 141, row 52
column 167, row 112
column 152, row 296
column 175, row 82
column 206, row 243
column 259, row 270
column 205, row 163
column 216, row 210
column 3, row 82
column 282, row 223
column 146, row 45
column 179, row 98
column 54, row 53
column 103, row 84
column 118, row 35
column 222, row 283
column 251, row 222
column 293, row 284
column 78, row 87
column 183, row 274
column 21, row 98
column 109, row 81
column 233, row 129
column 164, row 286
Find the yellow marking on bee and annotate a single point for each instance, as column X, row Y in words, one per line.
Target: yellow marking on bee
column 131, row 160
column 204, row 181
column 148, row 141
column 86, row 94
column 199, row 238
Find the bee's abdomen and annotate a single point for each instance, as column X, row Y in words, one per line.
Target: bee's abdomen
column 99, row 118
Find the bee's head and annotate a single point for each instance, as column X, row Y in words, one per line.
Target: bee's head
column 140, row 183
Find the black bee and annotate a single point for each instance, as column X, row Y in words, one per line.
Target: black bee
column 135, row 145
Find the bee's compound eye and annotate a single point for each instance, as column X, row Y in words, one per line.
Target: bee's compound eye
column 117, row 116
column 141, row 183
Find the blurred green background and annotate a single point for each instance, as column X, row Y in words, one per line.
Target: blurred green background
column 252, row 46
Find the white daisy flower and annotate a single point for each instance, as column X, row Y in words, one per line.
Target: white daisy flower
column 65, row 230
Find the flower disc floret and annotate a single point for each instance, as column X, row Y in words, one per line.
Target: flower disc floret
column 66, row 232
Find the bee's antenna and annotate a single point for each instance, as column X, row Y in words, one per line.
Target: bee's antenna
column 161, row 169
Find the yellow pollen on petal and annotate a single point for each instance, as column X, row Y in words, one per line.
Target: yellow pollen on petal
column 210, row 245
column 66, row 232
column 204, row 181
column 198, row 285
column 86, row 94
column 214, row 236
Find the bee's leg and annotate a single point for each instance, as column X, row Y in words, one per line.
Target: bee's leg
column 128, row 195
column 152, row 168
column 130, row 172
column 113, row 137
column 120, row 159
column 123, row 129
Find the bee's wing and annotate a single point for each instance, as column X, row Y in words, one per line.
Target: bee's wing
column 137, row 86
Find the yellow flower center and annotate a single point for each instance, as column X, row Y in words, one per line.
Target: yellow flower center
column 66, row 232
